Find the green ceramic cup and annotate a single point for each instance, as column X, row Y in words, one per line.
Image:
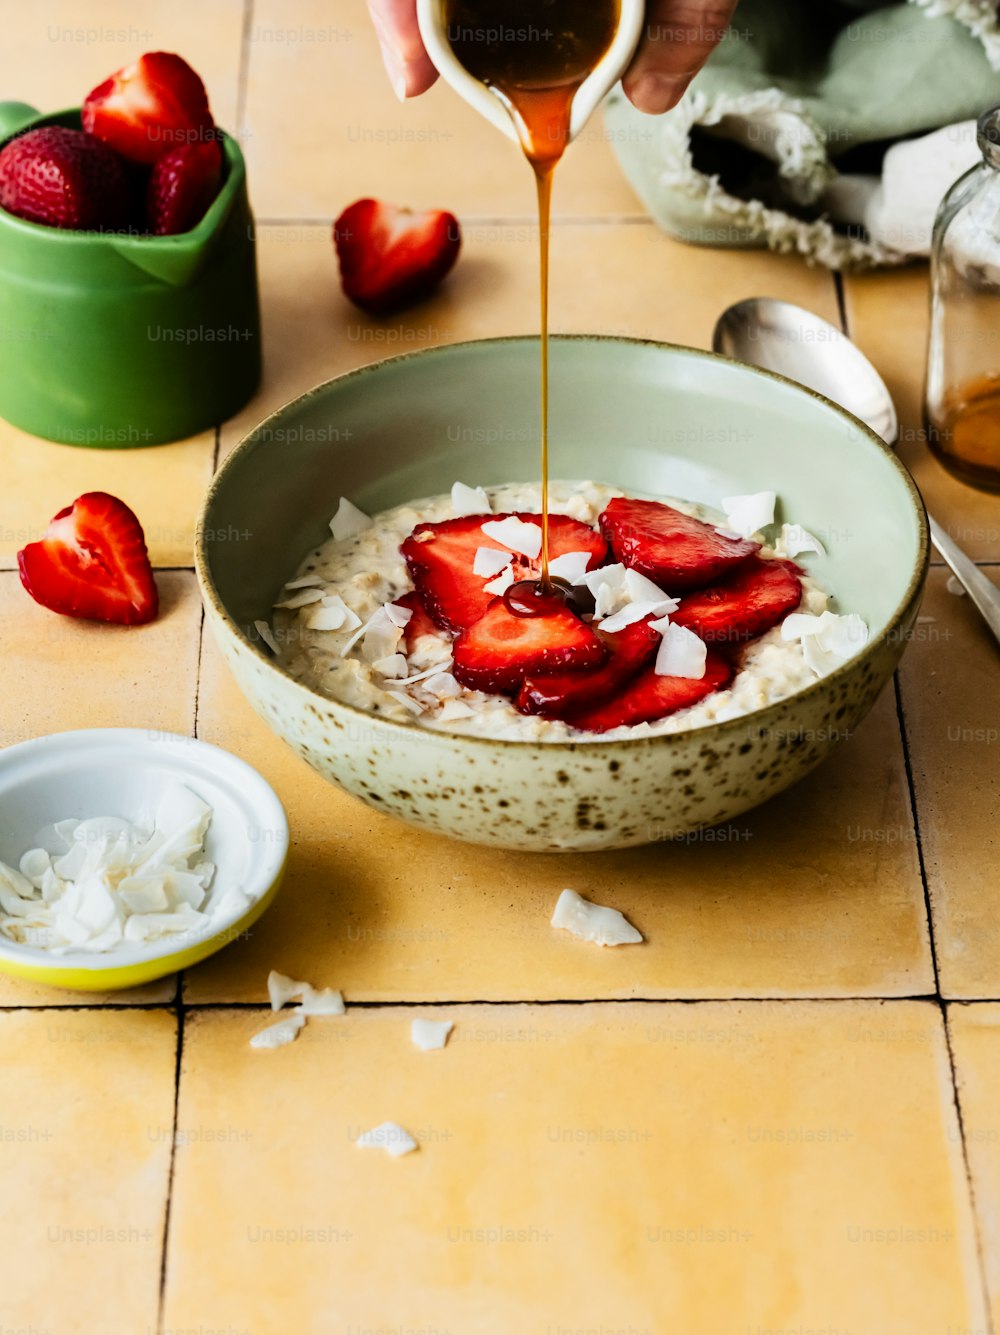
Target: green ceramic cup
column 114, row 340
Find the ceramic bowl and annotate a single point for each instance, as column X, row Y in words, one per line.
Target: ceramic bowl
column 122, row 772
column 644, row 417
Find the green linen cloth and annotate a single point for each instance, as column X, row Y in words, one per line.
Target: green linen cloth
column 780, row 139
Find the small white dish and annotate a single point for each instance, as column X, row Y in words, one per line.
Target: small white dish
column 123, row 772
column 432, row 18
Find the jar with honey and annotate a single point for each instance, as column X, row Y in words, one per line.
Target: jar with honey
column 962, row 407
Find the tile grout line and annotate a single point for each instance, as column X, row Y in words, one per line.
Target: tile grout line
column 915, row 818
column 501, row 220
column 243, row 75
column 970, row 1183
column 161, row 1297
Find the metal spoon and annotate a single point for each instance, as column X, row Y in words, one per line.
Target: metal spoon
column 796, row 343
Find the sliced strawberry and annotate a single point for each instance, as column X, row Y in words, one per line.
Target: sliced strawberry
column 64, row 178
column 92, row 563
column 498, row 652
column 391, row 257
column 748, row 603
column 182, row 185
column 563, row 694
column 419, row 623
column 649, row 697
column 672, row 549
column 150, row 107
column 440, row 558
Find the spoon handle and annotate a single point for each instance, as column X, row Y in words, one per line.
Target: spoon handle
column 983, row 593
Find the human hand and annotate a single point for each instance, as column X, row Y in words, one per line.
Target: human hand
column 680, row 36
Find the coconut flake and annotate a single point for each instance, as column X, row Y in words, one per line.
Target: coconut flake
column 593, row 922
column 443, row 685
column 380, row 634
column 305, row 582
column 301, row 599
column 502, row 583
column 326, row 1001
column 797, row 541
column 393, row 667
column 571, row 566
column 281, row 989
column 278, row 1035
column 955, row 586
column 828, row 640
column 332, row 614
column 453, row 710
column 746, row 515
column 469, row 500
column 388, row 1136
column 681, row 652
column 349, row 521
column 429, row 1035
column 517, row 535
column 490, row 561
column 407, row 701
column 264, row 631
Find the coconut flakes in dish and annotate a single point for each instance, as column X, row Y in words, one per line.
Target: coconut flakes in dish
column 429, row 1035
column 349, row 521
column 301, row 598
column 388, row 1136
column 747, row 515
column 593, row 922
column 116, row 882
column 571, row 566
column 332, row 614
column 469, row 501
column 264, row 631
column 381, row 633
column 490, row 561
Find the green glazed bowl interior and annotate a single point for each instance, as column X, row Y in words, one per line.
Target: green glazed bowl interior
column 648, row 418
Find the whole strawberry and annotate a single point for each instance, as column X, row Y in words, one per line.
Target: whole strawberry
column 150, row 107
column 64, row 178
column 391, row 257
column 183, row 184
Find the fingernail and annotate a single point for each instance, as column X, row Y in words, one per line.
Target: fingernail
column 394, row 69
column 656, row 93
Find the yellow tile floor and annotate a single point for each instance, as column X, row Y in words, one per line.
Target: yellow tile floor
column 779, row 1115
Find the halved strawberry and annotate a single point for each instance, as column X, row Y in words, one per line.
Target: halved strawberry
column 92, row 563
column 64, row 178
column 150, row 107
column 498, row 652
column 440, row 558
column 419, row 623
column 672, row 549
column 391, row 257
column 182, row 185
column 757, row 597
column 649, row 697
column 563, row 694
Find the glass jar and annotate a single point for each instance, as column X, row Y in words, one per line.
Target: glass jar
column 962, row 402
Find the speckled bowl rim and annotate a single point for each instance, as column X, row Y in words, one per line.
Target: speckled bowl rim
column 759, row 717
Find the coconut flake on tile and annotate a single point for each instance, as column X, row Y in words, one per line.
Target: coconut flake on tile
column 797, row 541
column 388, row 1136
column 955, row 586
column 469, row 501
column 828, row 640
column 264, row 631
column 681, row 652
column 517, row 535
column 571, row 566
column 278, row 1035
column 301, row 598
column 281, row 989
column 325, row 1001
column 429, row 1035
column 489, row 561
column 349, row 521
column 593, row 922
column 746, row 515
